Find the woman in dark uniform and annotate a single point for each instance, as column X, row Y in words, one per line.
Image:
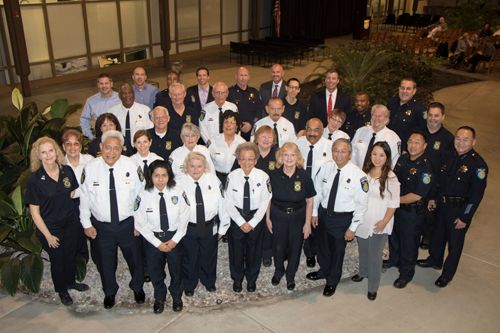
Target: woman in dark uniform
column 48, row 194
column 288, row 217
column 265, row 140
column 103, row 123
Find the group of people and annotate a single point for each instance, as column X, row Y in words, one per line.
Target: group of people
column 258, row 168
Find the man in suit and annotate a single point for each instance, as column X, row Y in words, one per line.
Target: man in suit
column 200, row 94
column 275, row 87
column 323, row 102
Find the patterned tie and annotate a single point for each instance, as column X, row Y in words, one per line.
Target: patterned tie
column 333, row 193
column 309, row 163
column 369, row 150
column 200, row 212
column 113, row 201
column 330, row 106
column 221, row 122
column 163, row 213
column 246, row 197
column 275, row 91
column 277, row 135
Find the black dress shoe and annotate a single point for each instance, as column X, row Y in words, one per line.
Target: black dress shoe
column 158, row 307
column 329, row 290
column 147, row 278
column 314, row 276
column 311, row 261
column 177, row 306
column 109, row 301
column 139, row 296
column 79, row 287
column 357, row 278
column 188, row 293
column 65, row 298
column 387, row 264
column 425, row 263
column 400, row 283
column 266, row 262
column 211, row 289
column 441, row 282
column 275, row 281
column 371, row 296
column 237, row 287
column 251, row 287
column 290, row 285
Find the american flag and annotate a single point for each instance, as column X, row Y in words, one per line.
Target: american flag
column 277, row 17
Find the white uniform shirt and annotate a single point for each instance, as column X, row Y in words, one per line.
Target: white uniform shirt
column 352, row 192
column 177, row 157
column 212, row 199
column 260, row 195
column 94, row 195
column 223, row 154
column 362, row 139
column 139, row 118
column 150, row 159
column 82, row 162
column 338, row 134
column 147, row 216
column 377, row 206
column 322, row 152
column 286, row 130
column 209, row 119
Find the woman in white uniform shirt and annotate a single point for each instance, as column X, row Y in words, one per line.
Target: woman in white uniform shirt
column 377, row 222
column 190, row 135
column 203, row 190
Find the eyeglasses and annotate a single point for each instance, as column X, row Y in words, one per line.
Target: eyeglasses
column 293, row 87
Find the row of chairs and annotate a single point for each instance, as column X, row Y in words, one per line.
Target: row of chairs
column 407, row 22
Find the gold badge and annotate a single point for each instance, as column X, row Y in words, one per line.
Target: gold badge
column 272, row 165
column 66, row 182
column 413, row 171
column 168, row 145
column 437, row 144
column 297, row 186
column 408, row 113
column 425, row 115
column 188, row 118
column 463, row 169
column 297, row 114
column 251, row 97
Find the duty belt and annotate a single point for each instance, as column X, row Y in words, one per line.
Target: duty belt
column 453, row 201
column 417, row 207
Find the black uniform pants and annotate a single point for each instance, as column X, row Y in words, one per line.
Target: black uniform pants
column 311, row 244
column 109, row 238
column 445, row 232
column 404, row 241
column 200, row 258
column 82, row 247
column 428, row 226
column 156, row 265
column 287, row 241
column 62, row 258
column 245, row 252
column 267, row 244
column 331, row 244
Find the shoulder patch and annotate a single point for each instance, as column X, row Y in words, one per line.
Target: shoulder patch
column 481, row 173
column 364, row 184
column 82, row 178
column 426, row 178
column 140, row 174
column 268, row 183
column 184, row 195
column 137, row 203
column 202, row 115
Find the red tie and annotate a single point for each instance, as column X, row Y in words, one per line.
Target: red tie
column 330, row 106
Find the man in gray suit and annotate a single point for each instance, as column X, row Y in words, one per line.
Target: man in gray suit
column 275, row 87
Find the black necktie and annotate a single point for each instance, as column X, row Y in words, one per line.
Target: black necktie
column 127, row 130
column 113, row 202
column 333, row 193
column 200, row 211
column 163, row 213
column 277, row 135
column 369, row 150
column 309, row 163
column 145, row 168
column 330, row 136
column 221, row 122
column 246, row 197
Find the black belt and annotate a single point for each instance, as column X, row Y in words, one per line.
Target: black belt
column 288, row 209
column 162, row 234
column 193, row 224
column 337, row 214
column 454, row 201
column 93, row 219
column 417, row 207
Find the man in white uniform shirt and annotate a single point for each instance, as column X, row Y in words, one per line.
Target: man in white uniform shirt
column 283, row 128
column 366, row 136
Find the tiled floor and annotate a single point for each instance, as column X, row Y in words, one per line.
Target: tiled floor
column 470, row 303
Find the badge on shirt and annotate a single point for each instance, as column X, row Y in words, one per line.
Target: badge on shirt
column 463, row 168
column 184, row 195
column 66, row 182
column 364, row 184
column 408, row 112
column 297, row 114
column 413, row 171
column 168, row 145
column 137, row 203
column 251, row 97
column 202, row 115
column 437, row 144
column 297, row 186
column 272, row 165
column 426, row 178
column 139, row 173
column 193, row 99
column 268, row 183
column 188, row 118
column 481, row 173
column 82, row 178
column 175, row 199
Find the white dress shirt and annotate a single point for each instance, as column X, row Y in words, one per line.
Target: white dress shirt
column 149, row 159
column 223, row 154
column 322, row 152
column 82, row 162
column 209, row 119
column 338, row 134
column 286, row 130
column 139, row 118
column 177, row 157
column 362, row 139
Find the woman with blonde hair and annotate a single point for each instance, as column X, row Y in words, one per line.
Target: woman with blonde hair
column 49, row 193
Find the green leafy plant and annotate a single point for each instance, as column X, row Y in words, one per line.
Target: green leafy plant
column 20, row 250
column 471, row 15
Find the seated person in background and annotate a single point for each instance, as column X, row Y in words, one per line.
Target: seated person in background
column 440, row 26
column 486, row 31
column 464, row 43
column 484, row 55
